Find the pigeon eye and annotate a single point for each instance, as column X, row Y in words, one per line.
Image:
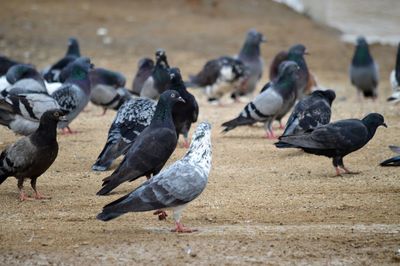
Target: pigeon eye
column 56, row 114
column 172, row 95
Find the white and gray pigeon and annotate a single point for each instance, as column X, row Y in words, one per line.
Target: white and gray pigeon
column 218, row 77
column 52, row 73
column 108, row 89
column 31, row 156
column 74, row 94
column 250, row 56
column 364, row 71
column 156, row 83
column 270, row 103
column 131, row 119
column 395, row 80
column 145, row 68
column 310, row 112
column 173, row 188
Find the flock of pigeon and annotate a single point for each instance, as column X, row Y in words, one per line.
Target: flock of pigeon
column 158, row 108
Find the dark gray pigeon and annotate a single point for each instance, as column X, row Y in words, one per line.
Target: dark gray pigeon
column 23, row 79
column 145, row 68
column 336, row 140
column 108, row 89
column 218, row 77
column 267, row 105
column 184, row 114
column 31, row 156
column 151, row 149
column 394, row 161
column 52, row 73
column 131, row 119
column 74, row 94
column 157, row 82
column 310, row 112
column 174, row 187
column 364, row 71
column 395, row 80
column 250, row 56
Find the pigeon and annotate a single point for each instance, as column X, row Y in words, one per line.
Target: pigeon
column 74, row 94
column 23, row 79
column 296, row 53
column 156, row 83
column 32, row 155
column 310, row 112
column 267, row 105
column 336, row 140
column 218, row 77
column 145, row 68
column 364, row 71
column 184, row 114
column 174, row 187
column 108, row 89
column 151, row 149
column 250, row 56
column 395, row 80
column 394, row 161
column 131, row 119
column 52, row 73
column 6, row 63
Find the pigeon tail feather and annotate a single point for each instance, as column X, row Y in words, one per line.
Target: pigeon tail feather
column 238, row 121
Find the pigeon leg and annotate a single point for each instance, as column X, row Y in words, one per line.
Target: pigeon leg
column 338, row 173
column 37, row 194
column 162, row 215
column 341, row 165
column 336, row 161
column 104, row 112
column 186, row 142
column 22, row 195
column 269, row 131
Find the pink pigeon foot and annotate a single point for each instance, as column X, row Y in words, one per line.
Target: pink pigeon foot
column 180, row 228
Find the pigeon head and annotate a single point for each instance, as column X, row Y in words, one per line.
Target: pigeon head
column 22, row 71
column 255, row 37
column 362, row 57
column 288, row 68
column 146, row 63
column 330, row 95
column 372, row 121
column 164, row 106
column 53, row 115
column 161, row 58
column 171, row 97
column 251, row 46
column 73, row 47
column 77, row 70
column 297, row 50
column 175, row 76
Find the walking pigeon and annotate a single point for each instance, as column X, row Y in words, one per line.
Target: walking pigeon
column 338, row 139
column 108, row 89
column 151, row 149
column 145, row 68
column 174, row 187
column 31, row 156
column 364, row 71
column 156, row 83
column 272, row 102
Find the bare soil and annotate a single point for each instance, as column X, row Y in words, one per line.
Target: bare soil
column 261, row 206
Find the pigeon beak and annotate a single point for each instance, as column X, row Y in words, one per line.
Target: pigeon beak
column 306, row 52
column 384, row 124
column 180, row 99
column 62, row 119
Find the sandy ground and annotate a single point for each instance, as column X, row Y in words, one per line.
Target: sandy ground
column 261, row 206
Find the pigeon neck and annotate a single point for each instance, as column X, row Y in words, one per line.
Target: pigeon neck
column 199, row 152
column 397, row 68
column 250, row 50
column 73, row 49
column 163, row 114
column 161, row 76
column 362, row 57
column 371, row 128
column 299, row 59
column 46, row 133
column 82, row 80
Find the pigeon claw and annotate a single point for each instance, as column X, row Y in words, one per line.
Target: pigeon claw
column 180, row 228
column 24, row 197
column 40, row 196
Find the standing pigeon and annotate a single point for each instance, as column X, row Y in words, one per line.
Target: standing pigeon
column 310, row 112
column 74, row 94
column 145, row 68
column 364, row 71
column 131, row 119
column 395, row 80
column 108, row 89
column 184, row 114
column 151, row 149
column 174, row 187
column 156, row 83
column 336, row 140
column 267, row 105
column 52, row 73
column 218, row 77
column 394, row 161
column 31, row 156
column 250, row 56
column 23, row 79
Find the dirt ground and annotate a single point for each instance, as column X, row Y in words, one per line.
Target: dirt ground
column 261, row 205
